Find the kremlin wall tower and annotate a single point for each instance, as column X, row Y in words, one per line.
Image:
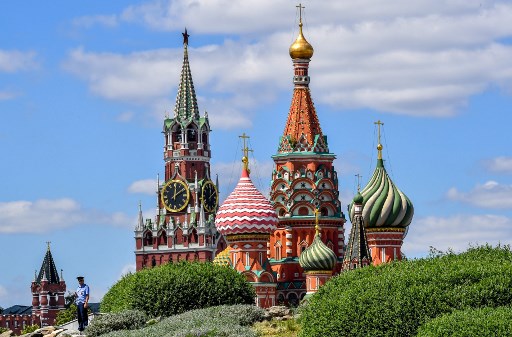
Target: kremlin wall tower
column 287, row 245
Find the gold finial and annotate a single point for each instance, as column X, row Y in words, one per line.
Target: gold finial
column 246, row 150
column 317, row 228
column 379, row 146
column 358, row 182
column 301, row 49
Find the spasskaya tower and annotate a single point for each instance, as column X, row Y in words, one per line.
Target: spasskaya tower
column 187, row 200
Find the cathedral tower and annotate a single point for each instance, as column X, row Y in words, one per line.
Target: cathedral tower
column 246, row 219
column 386, row 213
column 304, row 179
column 357, row 254
column 183, row 228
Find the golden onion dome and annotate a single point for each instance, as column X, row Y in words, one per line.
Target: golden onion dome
column 301, row 49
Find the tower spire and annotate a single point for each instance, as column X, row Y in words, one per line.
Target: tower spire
column 186, row 102
column 185, row 37
column 379, row 146
column 358, row 182
column 246, row 150
column 302, row 131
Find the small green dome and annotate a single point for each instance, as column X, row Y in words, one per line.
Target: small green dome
column 358, row 199
column 317, row 256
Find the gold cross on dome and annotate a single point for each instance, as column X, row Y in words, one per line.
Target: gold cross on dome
column 378, row 123
column 317, row 228
column 379, row 146
column 358, row 182
column 246, row 151
column 300, row 7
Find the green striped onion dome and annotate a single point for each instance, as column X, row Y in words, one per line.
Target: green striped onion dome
column 384, row 205
column 317, row 256
column 222, row 259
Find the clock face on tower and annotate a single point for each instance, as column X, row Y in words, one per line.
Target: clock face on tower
column 175, row 195
column 209, row 196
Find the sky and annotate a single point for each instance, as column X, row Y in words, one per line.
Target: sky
column 85, row 86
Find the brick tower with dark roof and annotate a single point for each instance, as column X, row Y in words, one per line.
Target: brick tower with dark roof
column 48, row 290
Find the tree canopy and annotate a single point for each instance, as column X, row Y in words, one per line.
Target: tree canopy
column 396, row 299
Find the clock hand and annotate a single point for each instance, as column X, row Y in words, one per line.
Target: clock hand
column 174, row 197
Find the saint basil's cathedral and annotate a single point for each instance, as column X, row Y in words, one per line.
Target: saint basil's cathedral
column 287, row 245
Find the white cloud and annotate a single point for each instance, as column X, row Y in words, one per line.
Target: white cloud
column 102, row 20
column 456, row 232
column 129, row 268
column 126, row 116
column 5, row 95
column 489, row 195
column 418, row 59
column 146, row 186
column 499, row 164
column 46, row 215
column 13, row 60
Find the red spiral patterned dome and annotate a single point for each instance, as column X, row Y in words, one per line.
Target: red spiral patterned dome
column 246, row 210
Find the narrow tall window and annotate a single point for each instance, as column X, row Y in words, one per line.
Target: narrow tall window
column 247, row 260
column 383, row 253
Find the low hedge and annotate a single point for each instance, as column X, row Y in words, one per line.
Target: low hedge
column 175, row 288
column 396, row 299
column 221, row 321
column 126, row 320
column 480, row 322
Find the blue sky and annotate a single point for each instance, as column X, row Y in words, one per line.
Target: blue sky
column 85, row 85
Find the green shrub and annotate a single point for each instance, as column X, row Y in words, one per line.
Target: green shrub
column 480, row 322
column 66, row 315
column 29, row 329
column 221, row 321
column 395, row 299
column 126, row 320
column 175, row 288
column 2, row 329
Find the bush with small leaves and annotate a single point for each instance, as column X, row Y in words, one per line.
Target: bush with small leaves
column 125, row 320
column 396, row 299
column 221, row 321
column 176, row 288
column 480, row 322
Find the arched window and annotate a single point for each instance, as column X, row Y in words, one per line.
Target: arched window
column 324, row 211
column 148, row 239
column 277, row 248
column 303, row 211
column 191, row 134
column 176, row 134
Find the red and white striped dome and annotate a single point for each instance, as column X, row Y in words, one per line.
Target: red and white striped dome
column 246, row 210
